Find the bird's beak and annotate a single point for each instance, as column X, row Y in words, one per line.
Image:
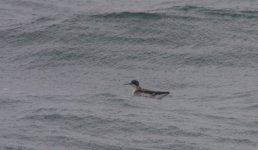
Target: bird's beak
column 127, row 84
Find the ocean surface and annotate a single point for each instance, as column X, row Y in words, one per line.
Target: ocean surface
column 64, row 63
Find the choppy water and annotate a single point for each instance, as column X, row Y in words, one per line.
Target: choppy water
column 63, row 65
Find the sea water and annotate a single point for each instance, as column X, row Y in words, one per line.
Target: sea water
column 63, row 66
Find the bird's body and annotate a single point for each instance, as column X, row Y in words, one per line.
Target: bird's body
column 139, row 91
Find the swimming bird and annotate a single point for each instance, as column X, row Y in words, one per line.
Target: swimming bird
column 139, row 91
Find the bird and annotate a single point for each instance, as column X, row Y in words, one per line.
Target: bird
column 139, row 91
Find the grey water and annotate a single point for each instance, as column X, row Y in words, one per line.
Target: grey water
column 63, row 65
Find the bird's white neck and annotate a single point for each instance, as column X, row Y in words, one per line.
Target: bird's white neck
column 136, row 89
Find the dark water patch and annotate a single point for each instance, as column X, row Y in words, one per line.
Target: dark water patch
column 244, row 94
column 17, row 136
column 183, row 13
column 42, row 20
column 232, row 14
column 220, row 118
column 251, row 107
column 252, row 123
column 8, row 102
column 186, row 8
column 251, row 12
column 236, row 141
column 220, row 13
column 52, row 117
column 186, row 18
column 43, row 110
column 131, row 15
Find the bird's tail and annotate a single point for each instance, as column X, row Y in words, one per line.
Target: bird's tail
column 162, row 92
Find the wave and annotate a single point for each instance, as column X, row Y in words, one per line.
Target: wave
column 231, row 14
column 209, row 11
column 80, row 40
column 196, row 11
column 130, row 15
column 144, row 16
